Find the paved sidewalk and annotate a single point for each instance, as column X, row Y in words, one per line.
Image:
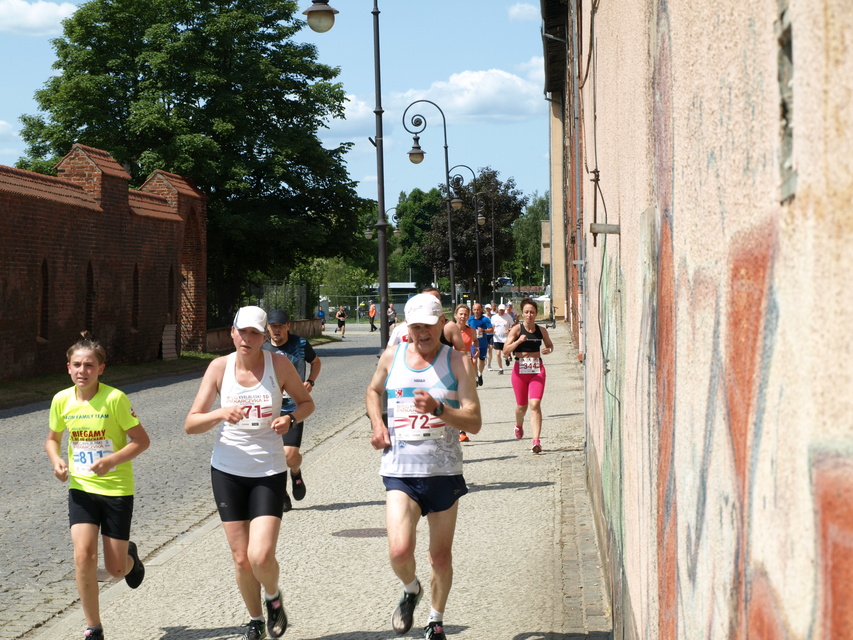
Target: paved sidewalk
column 525, row 557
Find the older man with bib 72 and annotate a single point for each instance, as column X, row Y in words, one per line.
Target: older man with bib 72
column 431, row 396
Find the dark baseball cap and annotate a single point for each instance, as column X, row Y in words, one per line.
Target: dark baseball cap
column 278, row 316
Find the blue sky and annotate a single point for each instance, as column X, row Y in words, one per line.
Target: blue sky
column 479, row 60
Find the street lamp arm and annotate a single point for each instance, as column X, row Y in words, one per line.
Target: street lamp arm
column 456, row 179
column 416, row 155
column 419, row 121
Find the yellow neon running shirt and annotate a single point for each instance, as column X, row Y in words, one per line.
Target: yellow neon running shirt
column 95, row 428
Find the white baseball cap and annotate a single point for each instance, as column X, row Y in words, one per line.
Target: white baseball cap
column 501, row 306
column 488, row 306
column 423, row 308
column 253, row 317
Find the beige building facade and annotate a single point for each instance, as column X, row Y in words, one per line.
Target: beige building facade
column 702, row 179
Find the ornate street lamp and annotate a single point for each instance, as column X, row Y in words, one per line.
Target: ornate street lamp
column 457, row 182
column 479, row 197
column 416, row 155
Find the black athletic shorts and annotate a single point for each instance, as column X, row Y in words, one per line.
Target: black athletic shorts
column 240, row 498
column 111, row 513
column 433, row 494
column 293, row 437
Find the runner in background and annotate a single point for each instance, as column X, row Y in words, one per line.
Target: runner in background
column 300, row 352
column 528, row 342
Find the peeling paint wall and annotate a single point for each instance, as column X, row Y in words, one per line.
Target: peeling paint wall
column 718, row 348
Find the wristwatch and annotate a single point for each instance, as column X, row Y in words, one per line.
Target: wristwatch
column 439, row 409
column 311, row 382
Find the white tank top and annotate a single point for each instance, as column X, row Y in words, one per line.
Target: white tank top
column 438, row 456
column 250, row 448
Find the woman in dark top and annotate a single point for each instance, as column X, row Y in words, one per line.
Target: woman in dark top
column 528, row 342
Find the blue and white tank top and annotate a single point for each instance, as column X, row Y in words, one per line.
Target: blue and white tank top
column 437, row 452
column 250, row 448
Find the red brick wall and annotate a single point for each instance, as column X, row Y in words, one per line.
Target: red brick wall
column 86, row 217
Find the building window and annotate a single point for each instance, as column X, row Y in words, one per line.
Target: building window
column 44, row 303
column 786, row 103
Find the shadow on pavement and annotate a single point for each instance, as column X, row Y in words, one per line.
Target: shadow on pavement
column 186, row 633
column 337, row 506
column 539, row 635
column 382, row 635
column 501, row 486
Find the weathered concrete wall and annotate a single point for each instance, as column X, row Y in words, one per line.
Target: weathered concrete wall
column 718, row 353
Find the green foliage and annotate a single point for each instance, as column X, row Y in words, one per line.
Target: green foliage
column 342, row 279
column 500, row 203
column 222, row 94
column 525, row 265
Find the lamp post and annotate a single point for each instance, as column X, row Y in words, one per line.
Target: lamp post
column 321, row 18
column 457, row 182
column 483, row 194
column 416, row 155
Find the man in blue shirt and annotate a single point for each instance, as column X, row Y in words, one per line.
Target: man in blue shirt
column 483, row 326
column 300, row 352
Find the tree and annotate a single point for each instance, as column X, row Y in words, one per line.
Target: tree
column 343, row 279
column 220, row 93
column 417, row 213
column 488, row 196
column 526, row 263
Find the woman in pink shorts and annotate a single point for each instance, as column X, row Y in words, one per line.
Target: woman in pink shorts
column 528, row 342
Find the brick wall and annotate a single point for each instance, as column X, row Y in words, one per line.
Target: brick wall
column 82, row 251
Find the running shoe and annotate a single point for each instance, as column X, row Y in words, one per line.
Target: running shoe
column 500, row 372
column 136, row 574
column 489, row 367
column 288, row 505
column 298, row 485
column 404, row 614
column 506, row 360
column 276, row 617
column 94, row 634
column 255, row 630
column 537, row 448
column 519, row 432
column 434, row 631
column 463, row 437
column 479, row 381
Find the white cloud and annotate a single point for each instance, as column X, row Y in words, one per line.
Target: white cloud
column 38, row 18
column 533, row 70
column 473, row 97
column 8, row 135
column 524, row 12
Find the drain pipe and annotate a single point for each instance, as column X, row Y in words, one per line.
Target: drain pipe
column 579, row 235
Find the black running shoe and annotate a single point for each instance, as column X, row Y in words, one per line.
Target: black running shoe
column 298, row 485
column 288, row 505
column 401, row 619
column 276, row 617
column 434, row 631
column 479, row 381
column 255, row 630
column 93, row 634
column 136, row 574
column 507, row 361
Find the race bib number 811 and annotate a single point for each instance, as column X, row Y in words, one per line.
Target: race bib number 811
column 88, row 452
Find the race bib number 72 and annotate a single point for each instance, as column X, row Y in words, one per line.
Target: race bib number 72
column 410, row 425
